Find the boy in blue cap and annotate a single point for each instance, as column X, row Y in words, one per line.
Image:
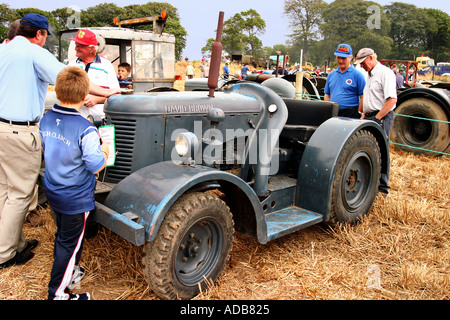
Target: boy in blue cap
column 345, row 85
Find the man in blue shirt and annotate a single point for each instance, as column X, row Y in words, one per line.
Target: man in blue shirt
column 244, row 71
column 345, row 85
column 226, row 71
column 28, row 69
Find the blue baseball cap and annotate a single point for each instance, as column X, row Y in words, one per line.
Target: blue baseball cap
column 35, row 20
column 343, row 50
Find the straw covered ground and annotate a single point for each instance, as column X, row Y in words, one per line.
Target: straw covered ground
column 400, row 250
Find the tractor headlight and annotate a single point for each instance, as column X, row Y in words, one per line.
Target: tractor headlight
column 272, row 108
column 186, row 144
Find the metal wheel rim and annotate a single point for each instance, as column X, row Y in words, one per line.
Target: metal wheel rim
column 357, row 180
column 199, row 251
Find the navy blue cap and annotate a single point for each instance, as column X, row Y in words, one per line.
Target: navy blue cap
column 35, row 20
column 343, row 50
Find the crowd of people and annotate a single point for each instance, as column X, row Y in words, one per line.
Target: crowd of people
column 82, row 87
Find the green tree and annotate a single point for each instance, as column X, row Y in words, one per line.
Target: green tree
column 7, row 16
column 63, row 15
column 173, row 24
column 253, row 26
column 409, row 28
column 305, row 17
column 103, row 15
column 437, row 39
column 232, row 35
column 350, row 21
column 240, row 33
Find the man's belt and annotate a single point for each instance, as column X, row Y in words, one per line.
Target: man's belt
column 371, row 114
column 19, row 123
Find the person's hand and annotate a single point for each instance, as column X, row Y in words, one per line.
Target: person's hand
column 379, row 121
column 92, row 100
column 104, row 147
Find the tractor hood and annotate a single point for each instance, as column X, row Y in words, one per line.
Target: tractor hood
column 181, row 103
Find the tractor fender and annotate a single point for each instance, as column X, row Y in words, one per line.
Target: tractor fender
column 317, row 167
column 150, row 192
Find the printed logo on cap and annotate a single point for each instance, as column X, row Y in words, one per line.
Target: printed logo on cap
column 81, row 34
column 343, row 49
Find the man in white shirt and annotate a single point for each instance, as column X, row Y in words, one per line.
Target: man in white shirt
column 100, row 71
column 380, row 97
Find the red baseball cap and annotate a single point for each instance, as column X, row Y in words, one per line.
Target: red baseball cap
column 85, row 37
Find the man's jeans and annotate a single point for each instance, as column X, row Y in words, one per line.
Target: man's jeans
column 386, row 124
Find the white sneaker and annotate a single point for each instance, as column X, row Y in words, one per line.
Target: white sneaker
column 77, row 275
column 81, row 296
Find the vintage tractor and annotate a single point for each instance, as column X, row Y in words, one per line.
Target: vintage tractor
column 193, row 167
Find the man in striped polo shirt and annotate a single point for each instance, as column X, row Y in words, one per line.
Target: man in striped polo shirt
column 100, row 71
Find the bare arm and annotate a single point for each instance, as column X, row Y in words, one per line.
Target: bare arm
column 360, row 106
column 105, row 151
column 102, row 92
column 387, row 107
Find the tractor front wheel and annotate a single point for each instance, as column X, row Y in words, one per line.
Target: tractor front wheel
column 191, row 248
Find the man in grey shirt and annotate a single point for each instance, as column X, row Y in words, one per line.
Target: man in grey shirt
column 380, row 97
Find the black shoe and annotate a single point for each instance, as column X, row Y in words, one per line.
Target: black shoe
column 18, row 259
column 30, row 245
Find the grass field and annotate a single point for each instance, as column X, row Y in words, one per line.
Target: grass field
column 400, row 250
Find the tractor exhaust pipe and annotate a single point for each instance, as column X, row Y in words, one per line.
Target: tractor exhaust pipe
column 216, row 56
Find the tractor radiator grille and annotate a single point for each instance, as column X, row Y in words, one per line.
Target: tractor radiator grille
column 125, row 139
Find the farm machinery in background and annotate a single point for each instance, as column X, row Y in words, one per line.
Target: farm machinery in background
column 423, row 62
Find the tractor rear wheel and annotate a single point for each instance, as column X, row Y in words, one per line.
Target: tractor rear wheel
column 356, row 181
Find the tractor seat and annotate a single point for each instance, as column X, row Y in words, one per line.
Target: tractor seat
column 305, row 116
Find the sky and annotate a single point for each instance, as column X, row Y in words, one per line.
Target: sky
column 200, row 17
